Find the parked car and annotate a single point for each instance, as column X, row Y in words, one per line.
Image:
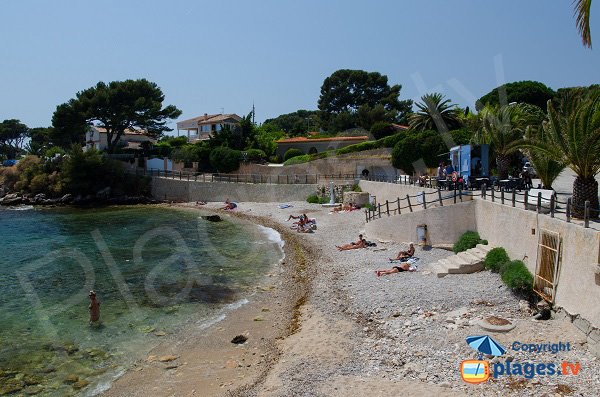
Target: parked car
column 9, row 163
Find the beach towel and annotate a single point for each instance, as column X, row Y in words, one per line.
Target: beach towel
column 413, row 262
column 283, row 206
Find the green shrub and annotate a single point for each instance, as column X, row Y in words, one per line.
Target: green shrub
column 298, row 159
column 425, row 145
column 516, row 276
column 275, row 159
column 224, row 159
column 356, row 188
column 314, row 199
column 466, row 241
column 292, row 153
column 392, row 140
column 255, row 155
column 495, row 258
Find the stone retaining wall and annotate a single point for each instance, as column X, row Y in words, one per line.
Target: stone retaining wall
column 181, row 190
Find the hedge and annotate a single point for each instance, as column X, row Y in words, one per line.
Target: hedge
column 495, row 258
column 467, row 240
column 292, row 153
column 516, row 276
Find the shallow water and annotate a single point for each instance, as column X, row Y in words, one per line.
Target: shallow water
column 154, row 270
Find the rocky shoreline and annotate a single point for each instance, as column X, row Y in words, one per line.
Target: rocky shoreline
column 13, row 199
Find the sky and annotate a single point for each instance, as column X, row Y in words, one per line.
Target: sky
column 225, row 56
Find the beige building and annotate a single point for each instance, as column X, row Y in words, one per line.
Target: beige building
column 97, row 138
column 201, row 128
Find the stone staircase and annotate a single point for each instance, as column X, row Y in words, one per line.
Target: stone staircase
column 469, row 261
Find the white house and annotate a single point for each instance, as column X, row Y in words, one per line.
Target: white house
column 201, row 128
column 97, row 138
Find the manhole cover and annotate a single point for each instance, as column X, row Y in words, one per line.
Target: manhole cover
column 497, row 320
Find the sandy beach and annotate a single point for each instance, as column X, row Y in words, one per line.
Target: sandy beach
column 323, row 324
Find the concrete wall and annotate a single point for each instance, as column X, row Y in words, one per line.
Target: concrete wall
column 517, row 230
column 390, row 191
column 444, row 224
column 176, row 190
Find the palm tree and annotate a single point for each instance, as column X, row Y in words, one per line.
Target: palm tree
column 435, row 113
column 546, row 167
column 574, row 134
column 504, row 129
column 582, row 20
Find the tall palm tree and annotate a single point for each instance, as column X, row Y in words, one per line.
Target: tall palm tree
column 574, row 133
column 503, row 128
column 435, row 113
column 582, row 20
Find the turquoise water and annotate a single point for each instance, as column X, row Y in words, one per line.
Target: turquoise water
column 155, row 270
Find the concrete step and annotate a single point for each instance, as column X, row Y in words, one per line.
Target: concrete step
column 447, row 262
column 484, row 248
column 458, row 261
column 468, row 257
column 439, row 270
column 477, row 253
column 466, row 269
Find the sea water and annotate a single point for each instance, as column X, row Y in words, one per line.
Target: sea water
column 154, row 269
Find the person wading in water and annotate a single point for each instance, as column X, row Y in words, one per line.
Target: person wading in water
column 94, row 308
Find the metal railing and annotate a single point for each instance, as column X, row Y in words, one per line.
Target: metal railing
column 512, row 197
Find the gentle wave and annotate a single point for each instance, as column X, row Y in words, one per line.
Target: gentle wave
column 222, row 314
column 20, row 208
column 272, row 235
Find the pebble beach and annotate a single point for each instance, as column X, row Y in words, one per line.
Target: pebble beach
column 354, row 333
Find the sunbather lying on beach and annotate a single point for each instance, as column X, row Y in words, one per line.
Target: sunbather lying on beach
column 361, row 243
column 346, row 208
column 229, row 205
column 405, row 254
column 401, row 267
column 294, row 217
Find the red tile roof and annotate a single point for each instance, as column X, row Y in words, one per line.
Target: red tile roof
column 302, row 139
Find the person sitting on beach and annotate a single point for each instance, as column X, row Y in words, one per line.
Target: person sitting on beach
column 361, row 243
column 405, row 254
column 399, row 268
column 229, row 205
column 305, row 228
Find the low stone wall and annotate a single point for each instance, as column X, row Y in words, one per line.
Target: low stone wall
column 517, row 230
column 389, row 191
column 444, row 224
column 176, row 190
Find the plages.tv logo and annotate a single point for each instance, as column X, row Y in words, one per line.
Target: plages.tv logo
column 479, row 371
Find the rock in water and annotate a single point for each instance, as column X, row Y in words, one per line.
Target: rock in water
column 238, row 340
column 212, row 218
